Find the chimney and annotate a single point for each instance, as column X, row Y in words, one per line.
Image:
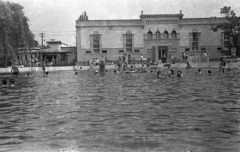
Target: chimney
column 142, row 12
column 180, row 11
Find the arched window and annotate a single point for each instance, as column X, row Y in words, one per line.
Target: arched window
column 96, row 46
column 174, row 34
column 128, row 41
column 165, row 34
column 158, row 35
column 195, row 40
column 150, row 34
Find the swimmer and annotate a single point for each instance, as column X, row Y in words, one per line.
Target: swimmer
column 4, row 83
column 158, row 74
column 27, row 75
column 44, row 68
column 171, row 73
column 179, row 73
column 199, row 71
column 209, row 72
column 15, row 70
column 131, row 68
column 46, row 73
column 96, row 72
column 11, row 83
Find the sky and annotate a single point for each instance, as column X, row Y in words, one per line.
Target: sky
column 57, row 18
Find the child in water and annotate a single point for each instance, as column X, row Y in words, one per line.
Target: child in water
column 179, row 73
column 11, row 83
column 47, row 73
column 209, row 72
column 27, row 74
column 15, row 70
column 198, row 71
column 131, row 68
column 171, row 73
column 75, row 68
column 4, row 83
column 158, row 74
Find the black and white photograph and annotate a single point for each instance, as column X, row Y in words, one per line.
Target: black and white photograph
column 119, row 76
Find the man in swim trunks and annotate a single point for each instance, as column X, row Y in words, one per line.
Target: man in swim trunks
column 15, row 70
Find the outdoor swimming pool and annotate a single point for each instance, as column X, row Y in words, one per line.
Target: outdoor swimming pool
column 121, row 112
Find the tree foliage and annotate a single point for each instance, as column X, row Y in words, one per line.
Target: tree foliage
column 14, row 31
column 231, row 27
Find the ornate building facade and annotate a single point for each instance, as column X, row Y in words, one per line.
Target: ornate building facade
column 153, row 35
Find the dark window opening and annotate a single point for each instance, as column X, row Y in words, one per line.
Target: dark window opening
column 96, row 44
column 195, row 41
column 104, row 51
column 150, row 35
column 174, row 34
column 128, row 41
column 165, row 34
column 158, row 35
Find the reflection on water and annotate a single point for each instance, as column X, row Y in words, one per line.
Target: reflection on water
column 121, row 112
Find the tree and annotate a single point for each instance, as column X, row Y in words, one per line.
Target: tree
column 230, row 27
column 14, row 31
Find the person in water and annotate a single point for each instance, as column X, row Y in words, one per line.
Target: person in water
column 199, row 71
column 179, row 73
column 188, row 65
column 158, row 74
column 131, row 68
column 75, row 68
column 209, row 72
column 115, row 71
column 44, row 68
column 11, row 83
column 96, row 72
column 171, row 73
column 27, row 74
column 46, row 73
column 4, row 83
column 15, row 70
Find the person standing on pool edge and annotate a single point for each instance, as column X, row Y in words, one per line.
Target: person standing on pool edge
column 15, row 70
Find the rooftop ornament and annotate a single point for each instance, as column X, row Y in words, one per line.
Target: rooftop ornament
column 83, row 17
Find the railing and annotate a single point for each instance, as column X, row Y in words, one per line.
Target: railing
column 162, row 36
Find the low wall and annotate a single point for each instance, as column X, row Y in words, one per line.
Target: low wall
column 30, row 69
column 175, row 66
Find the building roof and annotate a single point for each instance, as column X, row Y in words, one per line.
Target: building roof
column 54, row 42
column 51, row 50
column 46, row 50
column 160, row 15
column 198, row 21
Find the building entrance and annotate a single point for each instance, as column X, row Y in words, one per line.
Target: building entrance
column 162, row 54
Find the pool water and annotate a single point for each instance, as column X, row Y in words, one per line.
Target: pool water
column 121, row 112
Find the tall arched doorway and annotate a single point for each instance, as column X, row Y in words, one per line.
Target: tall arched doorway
column 163, row 53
